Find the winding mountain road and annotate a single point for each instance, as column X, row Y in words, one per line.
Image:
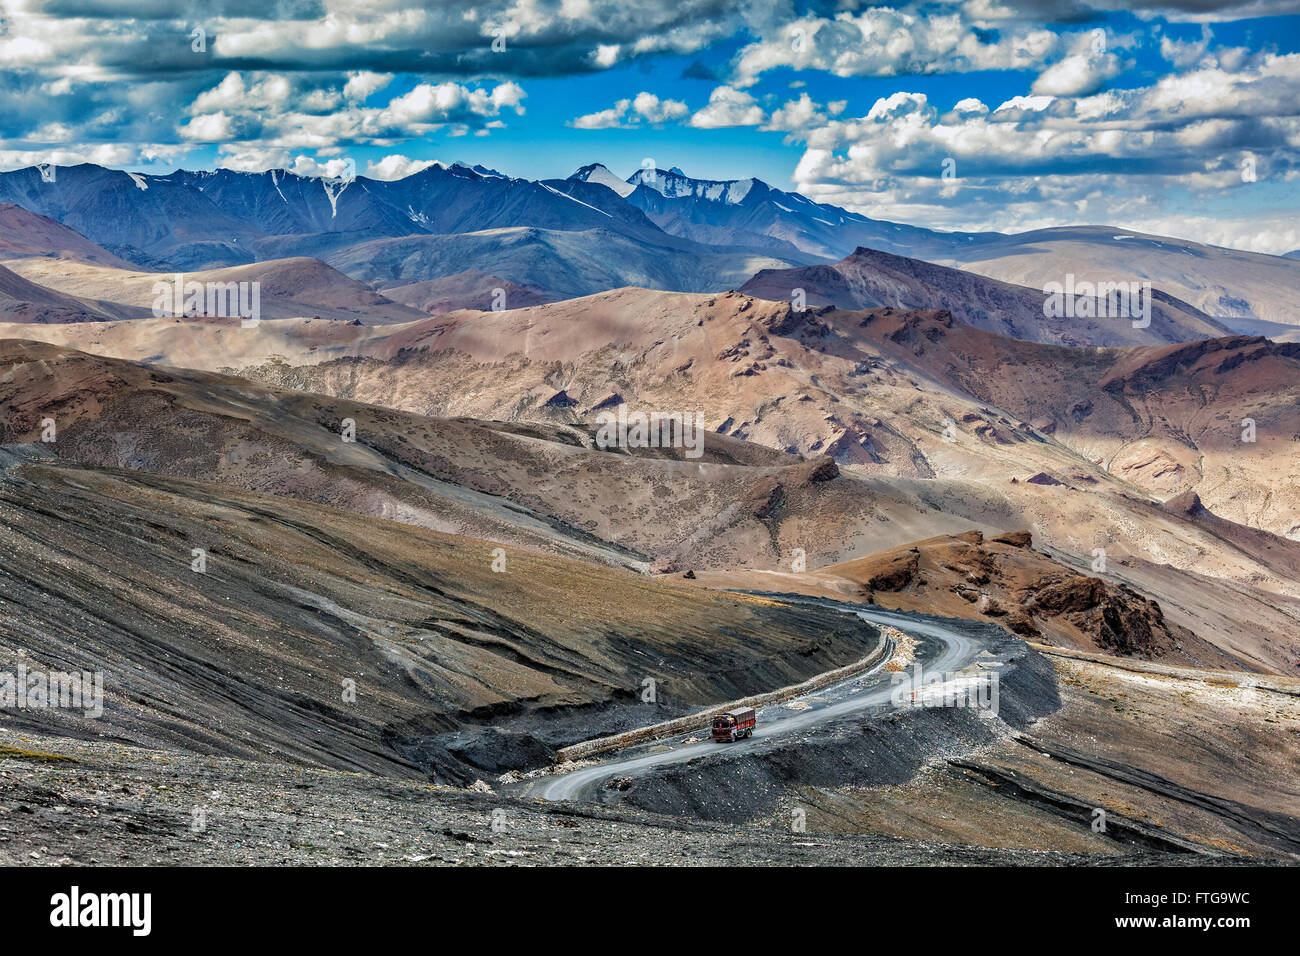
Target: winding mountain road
column 940, row 649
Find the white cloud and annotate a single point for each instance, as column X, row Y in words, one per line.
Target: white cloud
column 654, row 110
column 271, row 91
column 888, row 42
column 208, row 128
column 970, row 107
column 252, row 159
column 728, row 107
column 899, row 104
column 103, row 154
column 604, row 119
column 263, row 111
column 644, row 108
column 796, row 116
column 1022, row 104
column 1077, row 75
column 362, row 83
column 396, row 167
column 308, row 166
column 1116, row 157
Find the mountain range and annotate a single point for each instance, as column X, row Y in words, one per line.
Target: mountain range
column 563, row 238
column 396, row 481
column 870, row 278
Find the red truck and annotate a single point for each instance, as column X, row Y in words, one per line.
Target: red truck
column 734, row 724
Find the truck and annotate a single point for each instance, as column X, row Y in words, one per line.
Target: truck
column 734, row 724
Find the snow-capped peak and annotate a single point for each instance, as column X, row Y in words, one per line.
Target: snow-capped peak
column 484, row 171
column 599, row 173
column 674, row 183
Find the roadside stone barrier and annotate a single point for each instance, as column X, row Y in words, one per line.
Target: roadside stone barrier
column 890, row 637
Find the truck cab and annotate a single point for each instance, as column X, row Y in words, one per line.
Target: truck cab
column 734, row 725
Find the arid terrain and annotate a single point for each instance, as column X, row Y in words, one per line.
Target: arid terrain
column 366, row 582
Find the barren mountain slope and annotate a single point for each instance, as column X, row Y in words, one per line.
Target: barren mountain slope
column 542, row 485
column 1218, row 416
column 1224, row 283
column 288, row 287
column 562, row 263
column 545, row 486
column 24, row 233
column 23, row 301
column 1201, row 757
column 1003, row 579
column 465, row 661
column 1226, row 598
column 869, row 278
column 873, row 389
column 909, row 395
column 466, row 290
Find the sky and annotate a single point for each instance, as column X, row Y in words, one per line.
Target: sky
column 1179, row 118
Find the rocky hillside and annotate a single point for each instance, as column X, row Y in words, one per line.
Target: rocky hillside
column 250, row 625
column 868, row 279
column 1002, row 578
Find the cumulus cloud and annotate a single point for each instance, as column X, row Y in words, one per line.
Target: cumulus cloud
column 611, row 118
column 644, row 108
column 396, row 167
column 95, row 70
column 533, row 37
column 267, row 111
column 1116, row 156
column 331, row 168
column 797, row 115
column 1078, row 74
column 888, row 42
column 297, row 83
column 728, row 106
column 362, row 83
column 209, row 128
column 654, row 110
column 104, row 154
column 253, row 159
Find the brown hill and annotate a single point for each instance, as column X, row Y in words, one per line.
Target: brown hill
column 320, row 637
column 869, row 279
column 467, row 290
column 1220, row 416
column 1003, row 579
column 24, row 233
column 22, row 301
column 288, row 287
column 909, row 394
column 887, row 392
column 545, row 486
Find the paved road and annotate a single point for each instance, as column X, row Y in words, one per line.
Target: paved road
column 947, row 651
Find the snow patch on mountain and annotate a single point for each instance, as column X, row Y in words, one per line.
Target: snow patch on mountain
column 600, row 174
column 676, row 184
column 572, row 199
column 484, row 171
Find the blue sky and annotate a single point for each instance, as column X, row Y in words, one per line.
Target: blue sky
column 1181, row 118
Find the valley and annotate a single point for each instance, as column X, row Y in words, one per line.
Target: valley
column 368, row 559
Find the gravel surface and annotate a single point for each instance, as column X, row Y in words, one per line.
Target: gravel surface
column 65, row 802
